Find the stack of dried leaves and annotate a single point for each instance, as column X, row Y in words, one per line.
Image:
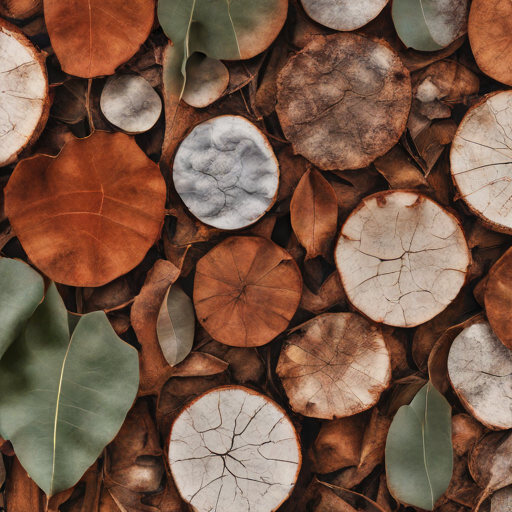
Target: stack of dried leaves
column 297, row 214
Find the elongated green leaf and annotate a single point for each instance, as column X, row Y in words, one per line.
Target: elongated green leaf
column 21, row 291
column 62, row 400
column 419, row 453
column 176, row 325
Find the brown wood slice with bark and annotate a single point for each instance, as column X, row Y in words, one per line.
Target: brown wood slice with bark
column 246, row 291
column 335, row 365
column 314, row 213
column 24, row 102
column 402, row 258
column 93, row 38
column 344, row 100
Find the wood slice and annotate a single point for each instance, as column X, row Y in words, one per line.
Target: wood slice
column 343, row 100
column 481, row 160
column 402, row 258
column 480, row 370
column 246, row 291
column 234, row 449
column 226, row 173
column 335, row 365
column 24, row 104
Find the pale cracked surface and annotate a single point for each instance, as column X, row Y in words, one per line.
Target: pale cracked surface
column 234, row 450
column 481, row 160
column 226, row 173
column 480, row 370
column 402, row 258
column 343, row 14
column 23, row 92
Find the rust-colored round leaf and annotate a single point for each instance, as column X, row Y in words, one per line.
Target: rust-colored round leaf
column 246, row 291
column 335, row 365
column 90, row 214
column 490, row 35
column 314, row 213
column 92, row 38
column 344, row 100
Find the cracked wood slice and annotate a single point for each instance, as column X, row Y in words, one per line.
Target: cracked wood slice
column 480, row 370
column 402, row 258
column 234, row 449
column 130, row 103
column 344, row 100
column 226, row 173
column 93, row 38
column 246, row 291
column 490, row 36
column 24, row 103
column 335, row 365
column 481, row 160
column 91, row 214
column 343, row 14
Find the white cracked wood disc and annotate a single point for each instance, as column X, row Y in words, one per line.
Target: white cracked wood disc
column 343, row 14
column 481, row 160
column 233, row 449
column 24, row 101
column 226, row 173
column 480, row 370
column 402, row 258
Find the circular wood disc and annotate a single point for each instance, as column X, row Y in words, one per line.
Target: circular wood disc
column 481, row 160
column 233, row 449
column 226, row 173
column 130, row 103
column 480, row 370
column 335, row 365
column 344, row 100
column 246, row 291
column 24, row 103
column 402, row 258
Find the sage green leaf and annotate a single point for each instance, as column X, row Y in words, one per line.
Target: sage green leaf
column 176, row 325
column 419, row 452
column 21, row 291
column 64, row 399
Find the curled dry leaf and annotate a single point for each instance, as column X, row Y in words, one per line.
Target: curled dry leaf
column 429, row 25
column 402, row 258
column 343, row 100
column 234, row 449
column 481, row 160
column 246, row 291
column 490, row 35
column 335, row 365
column 24, row 103
column 498, row 298
column 314, row 213
column 344, row 14
column 20, row 9
column 176, row 325
column 93, row 38
column 30, row 498
column 226, row 173
column 130, row 103
column 480, row 370
column 329, row 294
column 90, row 214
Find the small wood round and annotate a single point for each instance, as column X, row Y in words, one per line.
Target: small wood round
column 480, row 370
column 24, row 103
column 246, row 291
column 335, row 365
column 130, row 103
column 226, row 173
column 233, row 449
column 402, row 258
column 481, row 160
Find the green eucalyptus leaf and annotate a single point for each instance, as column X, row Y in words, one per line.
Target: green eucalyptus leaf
column 64, row 398
column 419, row 452
column 21, row 291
